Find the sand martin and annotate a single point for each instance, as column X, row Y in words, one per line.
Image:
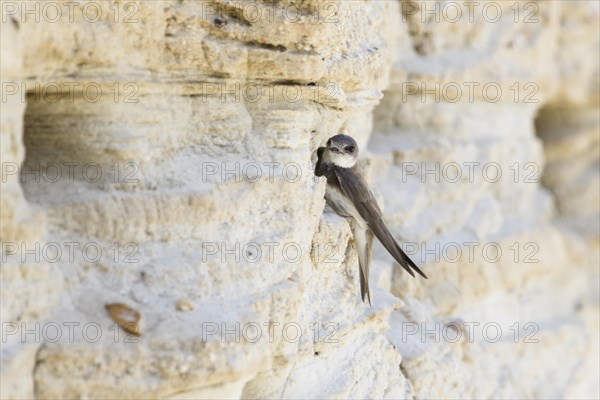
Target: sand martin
column 349, row 196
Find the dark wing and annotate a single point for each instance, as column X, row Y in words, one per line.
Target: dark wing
column 356, row 189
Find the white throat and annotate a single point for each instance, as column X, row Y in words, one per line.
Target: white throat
column 341, row 160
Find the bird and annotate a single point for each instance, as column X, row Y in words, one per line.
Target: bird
column 348, row 194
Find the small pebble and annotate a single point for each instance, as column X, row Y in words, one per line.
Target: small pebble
column 126, row 317
column 185, row 305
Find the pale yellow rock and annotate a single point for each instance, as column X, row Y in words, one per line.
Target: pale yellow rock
column 203, row 118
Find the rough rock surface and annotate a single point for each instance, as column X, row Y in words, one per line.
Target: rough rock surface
column 206, row 218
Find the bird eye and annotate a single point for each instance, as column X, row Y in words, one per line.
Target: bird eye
column 350, row 149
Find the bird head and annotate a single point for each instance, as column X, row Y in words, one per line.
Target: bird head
column 341, row 150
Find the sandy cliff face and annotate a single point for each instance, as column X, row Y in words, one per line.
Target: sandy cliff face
column 159, row 154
